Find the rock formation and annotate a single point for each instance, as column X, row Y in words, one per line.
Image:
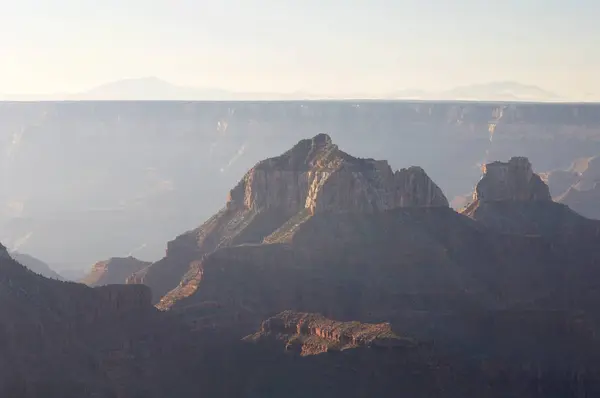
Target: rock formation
column 429, row 271
column 511, row 198
column 113, row 271
column 317, row 176
column 513, row 181
column 510, row 314
column 311, row 334
column 279, row 194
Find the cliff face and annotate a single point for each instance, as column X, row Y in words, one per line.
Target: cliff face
column 317, row 176
column 113, row 271
column 511, row 198
column 313, row 177
column 512, row 181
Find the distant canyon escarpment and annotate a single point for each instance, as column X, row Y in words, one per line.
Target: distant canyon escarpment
column 86, row 181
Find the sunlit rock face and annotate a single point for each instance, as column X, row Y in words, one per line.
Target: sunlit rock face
column 316, row 175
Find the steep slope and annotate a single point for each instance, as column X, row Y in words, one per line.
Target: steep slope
column 313, row 177
column 436, row 256
column 61, row 339
column 113, row 271
column 36, row 265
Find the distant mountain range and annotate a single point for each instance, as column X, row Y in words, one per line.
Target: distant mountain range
column 152, row 88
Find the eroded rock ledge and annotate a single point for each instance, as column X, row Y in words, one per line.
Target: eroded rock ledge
column 310, row 334
column 279, row 194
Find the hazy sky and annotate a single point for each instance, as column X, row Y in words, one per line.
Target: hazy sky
column 323, row 46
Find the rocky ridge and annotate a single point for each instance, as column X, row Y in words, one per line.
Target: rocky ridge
column 281, row 193
column 63, row 339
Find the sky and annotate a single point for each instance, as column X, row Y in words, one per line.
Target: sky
column 319, row 46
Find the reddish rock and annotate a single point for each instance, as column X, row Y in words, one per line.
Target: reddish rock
column 312, row 334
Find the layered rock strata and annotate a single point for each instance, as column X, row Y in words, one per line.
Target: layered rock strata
column 310, row 334
column 280, row 193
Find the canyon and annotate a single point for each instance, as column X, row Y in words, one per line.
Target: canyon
column 172, row 163
column 326, row 274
